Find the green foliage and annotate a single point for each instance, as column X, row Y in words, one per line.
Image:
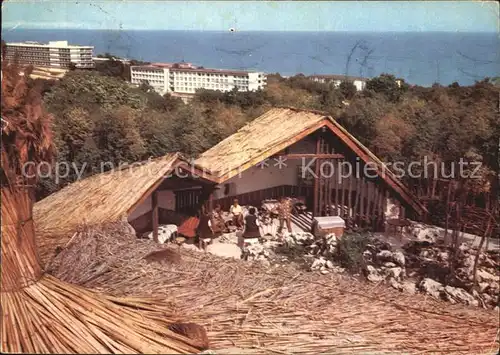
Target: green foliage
column 387, row 85
column 146, row 87
column 103, row 118
column 93, row 91
column 347, row 89
column 245, row 100
column 350, row 250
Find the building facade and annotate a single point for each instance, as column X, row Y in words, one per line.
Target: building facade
column 55, row 54
column 358, row 82
column 185, row 78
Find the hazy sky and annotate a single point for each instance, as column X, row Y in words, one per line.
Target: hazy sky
column 473, row 16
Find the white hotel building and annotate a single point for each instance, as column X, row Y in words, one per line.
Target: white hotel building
column 185, row 78
column 358, row 82
column 55, row 54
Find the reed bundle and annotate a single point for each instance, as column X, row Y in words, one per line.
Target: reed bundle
column 39, row 313
column 282, row 309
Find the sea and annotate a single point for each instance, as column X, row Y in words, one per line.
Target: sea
column 421, row 58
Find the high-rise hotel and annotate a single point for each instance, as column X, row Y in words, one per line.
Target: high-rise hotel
column 185, row 78
column 55, row 54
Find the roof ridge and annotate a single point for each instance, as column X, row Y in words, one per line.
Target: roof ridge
column 296, row 109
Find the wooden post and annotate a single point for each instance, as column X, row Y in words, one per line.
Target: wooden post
column 381, row 208
column 355, row 211
column 342, row 185
column 211, row 201
column 362, row 201
column 384, row 205
column 154, row 203
column 349, row 197
column 316, row 179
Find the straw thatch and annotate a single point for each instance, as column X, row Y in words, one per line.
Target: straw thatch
column 41, row 314
column 261, row 138
column 279, row 128
column 279, row 309
column 100, row 198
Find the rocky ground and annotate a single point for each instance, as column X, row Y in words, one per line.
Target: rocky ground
column 297, row 296
column 420, row 264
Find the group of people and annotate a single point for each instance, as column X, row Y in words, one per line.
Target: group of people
column 212, row 225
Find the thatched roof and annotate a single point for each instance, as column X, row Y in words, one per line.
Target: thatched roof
column 102, row 198
column 277, row 129
column 266, row 135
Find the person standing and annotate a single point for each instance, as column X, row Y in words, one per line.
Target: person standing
column 251, row 234
column 285, row 214
column 252, row 227
column 237, row 214
column 217, row 221
column 204, row 229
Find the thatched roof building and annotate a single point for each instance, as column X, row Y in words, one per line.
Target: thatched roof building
column 278, row 129
column 109, row 196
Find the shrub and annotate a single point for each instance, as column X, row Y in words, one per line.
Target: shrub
column 350, row 251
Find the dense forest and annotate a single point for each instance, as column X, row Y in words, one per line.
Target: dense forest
column 100, row 117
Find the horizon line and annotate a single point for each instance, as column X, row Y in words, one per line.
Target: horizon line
column 240, row 31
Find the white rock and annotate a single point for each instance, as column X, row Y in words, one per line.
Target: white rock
column 464, row 247
column 225, row 250
column 431, row 287
column 406, row 286
column 373, row 274
column 395, row 284
column 444, row 256
column 290, row 241
column 255, row 249
column 230, row 238
column 389, row 264
column 483, row 286
column 384, row 255
column 469, row 264
column 324, row 272
column 425, row 254
column 399, row 258
column 303, row 237
column 396, row 272
column 331, row 239
column 271, row 244
column 483, row 275
column 425, row 233
column 190, row 247
column 459, row 295
column 367, row 255
column 165, row 232
column 265, row 263
column 329, row 264
column 317, row 263
column 409, row 287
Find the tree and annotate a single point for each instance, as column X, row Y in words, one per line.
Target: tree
column 348, row 89
column 92, row 91
column 118, row 138
column 146, row 87
column 387, row 85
